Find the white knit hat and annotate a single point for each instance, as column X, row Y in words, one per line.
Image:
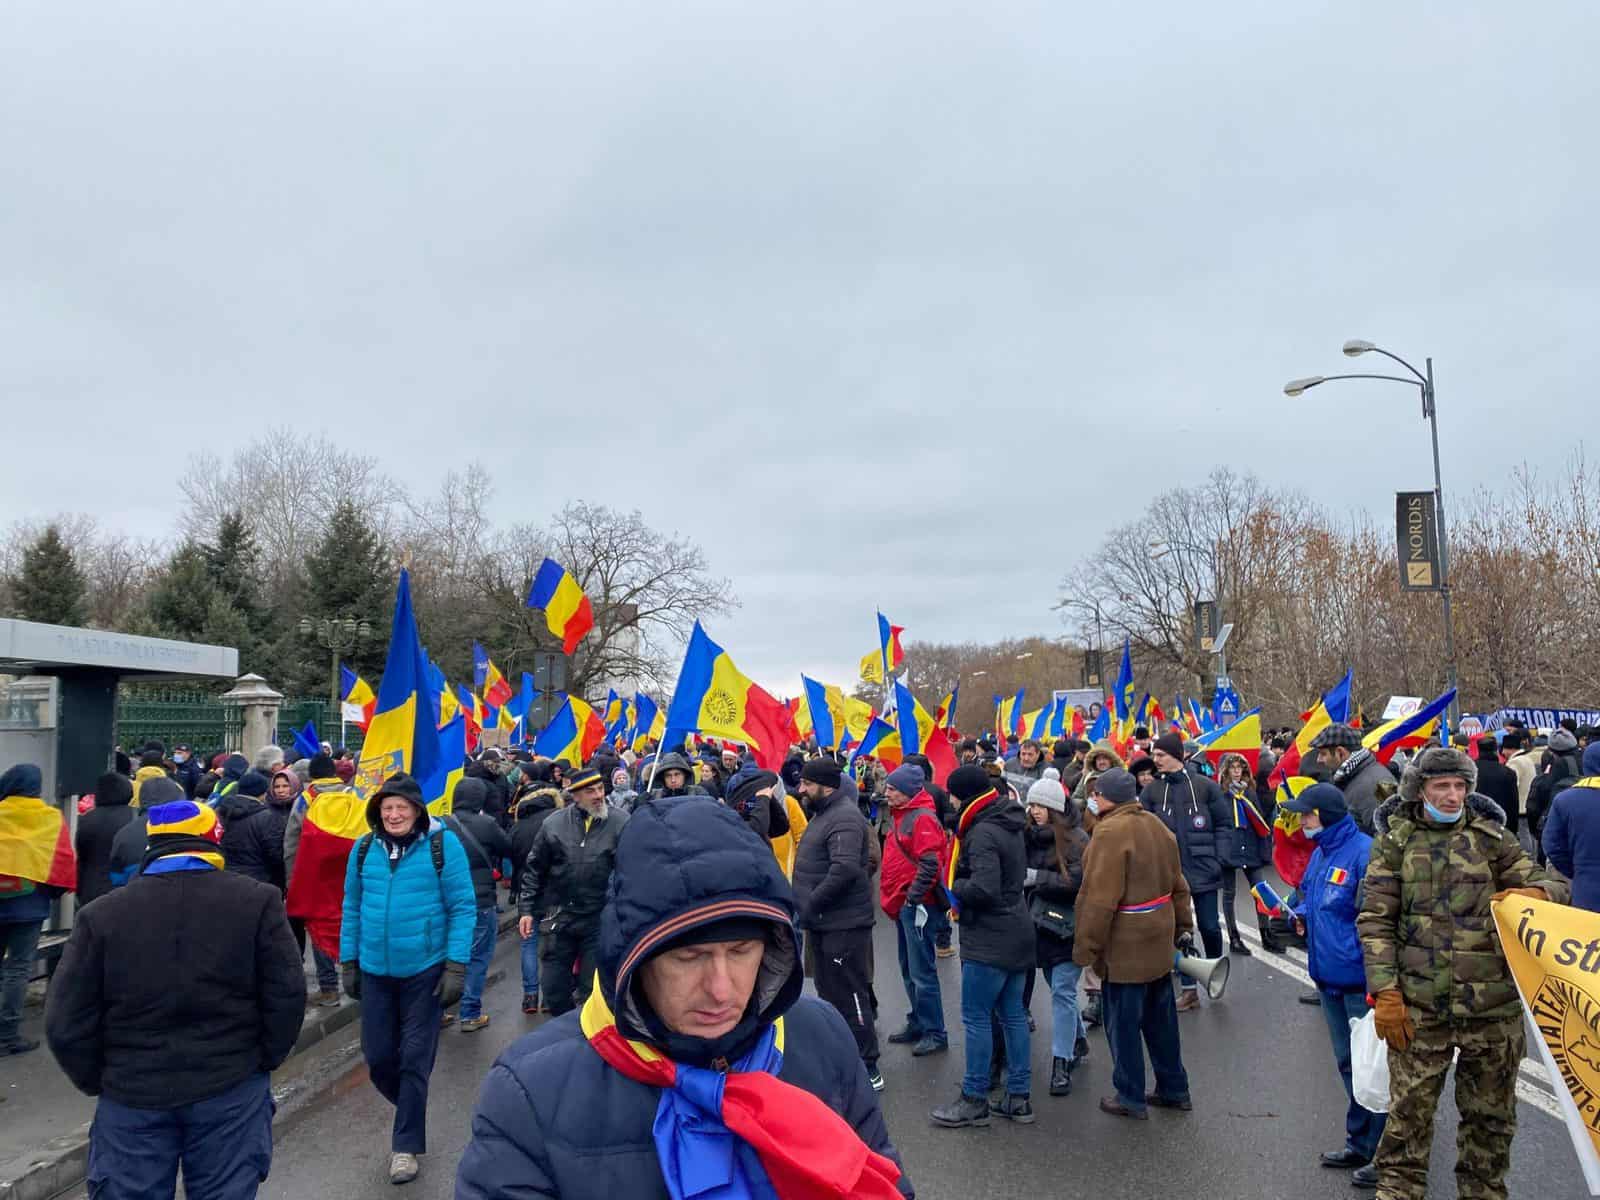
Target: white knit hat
column 1046, row 791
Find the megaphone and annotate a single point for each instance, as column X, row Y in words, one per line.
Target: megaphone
column 1210, row 973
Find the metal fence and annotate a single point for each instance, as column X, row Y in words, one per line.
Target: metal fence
column 197, row 718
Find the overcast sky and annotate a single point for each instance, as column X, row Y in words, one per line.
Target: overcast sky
column 850, row 292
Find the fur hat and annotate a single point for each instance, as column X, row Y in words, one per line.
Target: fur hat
column 1436, row 763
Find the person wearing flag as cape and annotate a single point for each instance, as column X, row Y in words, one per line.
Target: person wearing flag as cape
column 1441, row 856
column 37, row 864
column 696, row 1067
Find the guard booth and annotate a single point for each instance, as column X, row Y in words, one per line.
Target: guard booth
column 58, row 706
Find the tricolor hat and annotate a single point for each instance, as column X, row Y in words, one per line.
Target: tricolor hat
column 185, row 817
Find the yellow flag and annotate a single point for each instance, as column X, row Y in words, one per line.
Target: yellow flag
column 872, row 666
column 1554, row 954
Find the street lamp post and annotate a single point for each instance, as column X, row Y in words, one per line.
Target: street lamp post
column 1423, row 381
column 338, row 636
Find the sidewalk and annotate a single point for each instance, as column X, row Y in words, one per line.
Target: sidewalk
column 44, row 1120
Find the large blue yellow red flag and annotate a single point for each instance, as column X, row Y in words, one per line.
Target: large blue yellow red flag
column 1242, row 737
column 1191, row 718
column 573, row 734
column 648, row 721
column 1122, row 695
column 946, row 713
column 35, row 842
column 567, row 611
column 488, row 680
column 1336, row 700
column 1408, row 732
column 404, row 733
column 879, row 738
column 357, row 699
column 713, row 697
column 877, row 665
column 821, row 713
column 439, row 789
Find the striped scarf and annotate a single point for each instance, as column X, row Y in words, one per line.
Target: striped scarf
column 978, row 805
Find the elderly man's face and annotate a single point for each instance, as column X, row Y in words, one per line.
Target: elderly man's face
column 590, row 796
column 1447, row 793
column 703, row 990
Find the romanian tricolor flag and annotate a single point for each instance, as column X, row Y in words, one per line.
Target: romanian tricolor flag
column 404, row 733
column 1191, row 718
column 574, row 734
column 1122, row 695
column 358, row 700
column 882, row 742
column 567, row 611
column 1291, row 848
column 648, row 721
column 921, row 734
column 946, row 714
column 1243, row 737
column 819, row 712
column 1338, row 876
column 877, row 664
column 35, row 846
column 714, row 698
column 332, row 823
column 439, row 791
column 1408, row 732
column 1334, row 706
column 491, row 685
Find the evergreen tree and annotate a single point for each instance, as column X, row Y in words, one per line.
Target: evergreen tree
column 349, row 573
column 179, row 600
column 233, row 563
column 50, row 587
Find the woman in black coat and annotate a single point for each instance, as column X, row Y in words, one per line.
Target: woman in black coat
column 1244, row 847
column 97, row 829
column 1055, row 842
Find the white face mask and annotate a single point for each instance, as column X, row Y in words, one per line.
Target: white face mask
column 1093, row 805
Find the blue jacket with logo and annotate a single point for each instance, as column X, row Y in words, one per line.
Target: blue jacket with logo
column 401, row 916
column 1330, row 900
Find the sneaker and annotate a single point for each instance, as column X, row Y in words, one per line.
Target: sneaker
column 1156, row 1100
column 945, row 952
column 21, row 1046
column 473, row 1024
column 530, row 1005
column 1236, row 946
column 929, row 1045
column 1060, row 1077
column 1188, row 999
column 326, row 998
column 967, row 1110
column 875, row 1078
column 905, row 1037
column 1015, row 1108
column 1365, row 1177
column 403, row 1168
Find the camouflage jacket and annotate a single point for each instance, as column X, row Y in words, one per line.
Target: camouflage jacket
column 1425, row 924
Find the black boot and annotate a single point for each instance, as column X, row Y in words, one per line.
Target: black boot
column 1270, row 941
column 997, row 1071
column 1080, row 1053
column 1015, row 1108
column 967, row 1110
column 1236, row 946
column 1060, row 1077
column 1092, row 1009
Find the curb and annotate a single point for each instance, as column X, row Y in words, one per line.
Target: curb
column 63, row 1162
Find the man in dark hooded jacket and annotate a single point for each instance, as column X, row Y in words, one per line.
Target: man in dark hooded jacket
column 486, row 845
column 674, row 776
column 128, row 847
column 252, row 831
column 698, row 963
column 97, row 830
column 536, row 802
column 491, row 769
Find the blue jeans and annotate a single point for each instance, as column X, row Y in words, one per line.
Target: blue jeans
column 223, row 1144
column 399, row 1039
column 939, row 922
column 1205, row 916
column 1066, row 1026
column 1362, row 1129
column 530, row 963
column 483, row 936
column 919, row 974
column 1140, row 1015
column 985, row 990
column 19, row 943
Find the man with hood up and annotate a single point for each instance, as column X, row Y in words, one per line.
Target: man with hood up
column 486, row 845
column 1441, row 857
column 538, row 799
column 97, row 830
column 1571, row 833
column 697, row 1025
column 252, row 830
column 674, row 776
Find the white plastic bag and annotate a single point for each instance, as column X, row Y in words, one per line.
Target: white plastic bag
column 1369, row 1065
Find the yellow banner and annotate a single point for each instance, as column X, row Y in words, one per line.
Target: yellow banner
column 1554, row 953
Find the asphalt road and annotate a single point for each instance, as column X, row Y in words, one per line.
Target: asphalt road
column 1266, row 1094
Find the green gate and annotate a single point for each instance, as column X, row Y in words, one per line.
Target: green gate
column 175, row 716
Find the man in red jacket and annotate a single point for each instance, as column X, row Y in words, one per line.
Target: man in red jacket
column 909, row 890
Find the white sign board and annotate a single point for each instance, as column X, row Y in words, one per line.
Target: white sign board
column 1401, row 706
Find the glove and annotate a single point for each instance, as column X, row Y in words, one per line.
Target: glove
column 921, row 917
column 1186, row 944
column 351, row 973
column 1531, row 893
column 1030, row 877
column 452, row 982
column 1390, row 1019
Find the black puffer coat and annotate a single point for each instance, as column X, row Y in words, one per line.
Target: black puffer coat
column 833, row 865
column 1051, row 883
column 1239, row 844
column 1194, row 809
column 252, row 838
column 995, row 926
column 97, row 830
column 492, row 845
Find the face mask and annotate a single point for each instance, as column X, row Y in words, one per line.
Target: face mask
column 1093, row 805
column 1443, row 818
column 1313, row 834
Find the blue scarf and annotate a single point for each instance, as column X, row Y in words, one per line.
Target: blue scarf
column 701, row 1158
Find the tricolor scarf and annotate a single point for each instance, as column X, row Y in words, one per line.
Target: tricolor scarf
column 978, row 805
column 744, row 1134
